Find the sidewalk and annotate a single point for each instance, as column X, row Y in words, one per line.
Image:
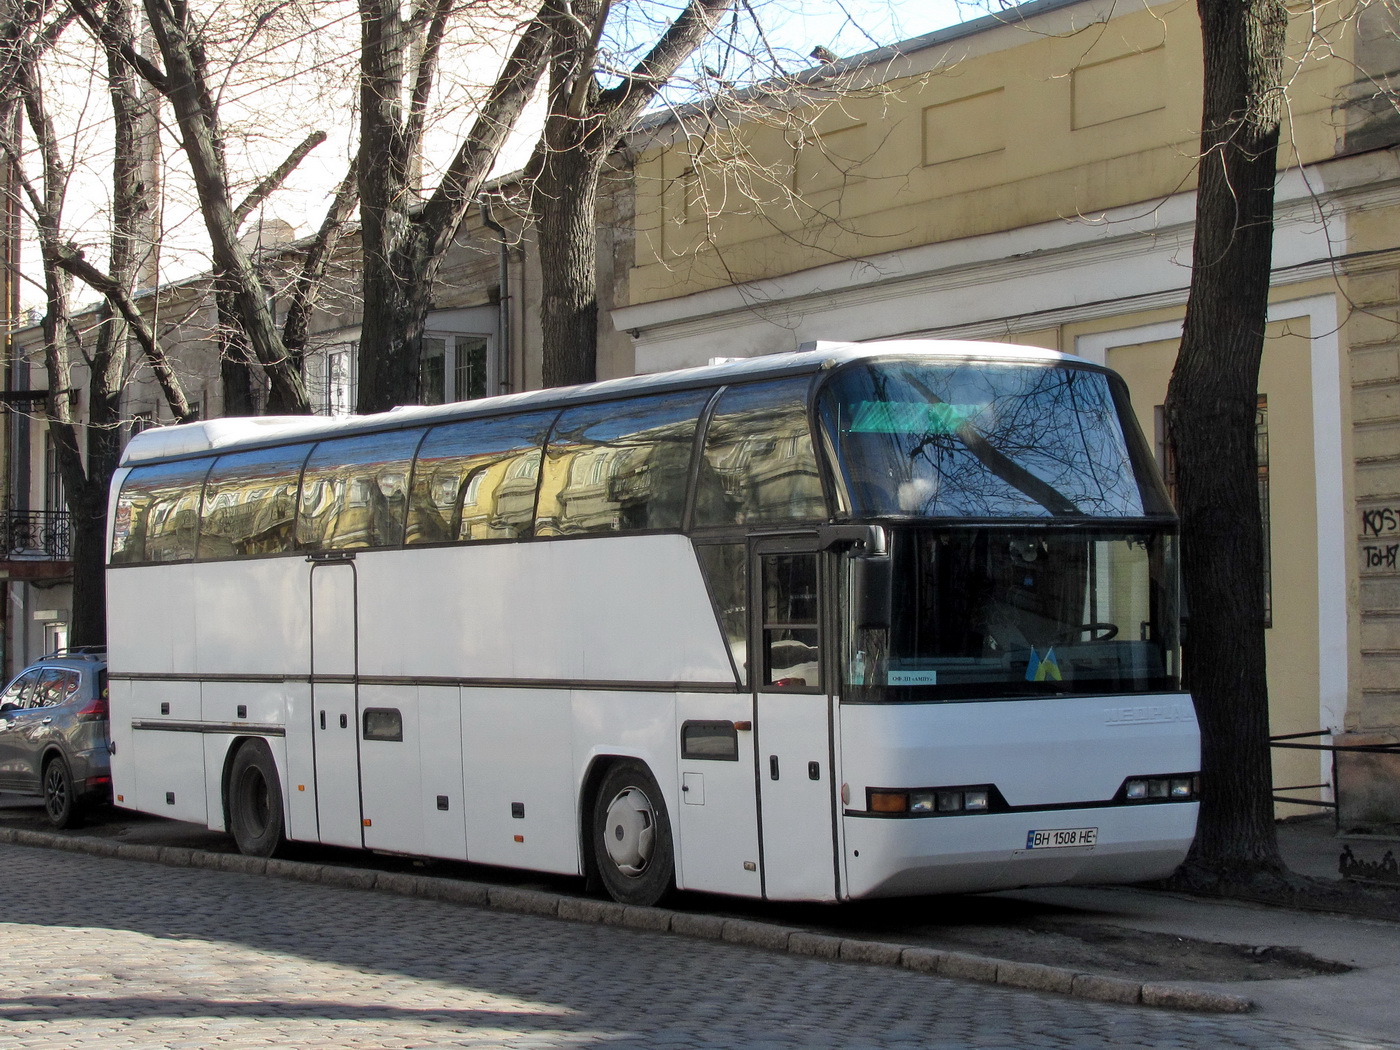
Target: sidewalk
column 1362, row 1002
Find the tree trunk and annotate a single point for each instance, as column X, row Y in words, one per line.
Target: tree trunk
column 566, row 203
column 402, row 245
column 1211, row 407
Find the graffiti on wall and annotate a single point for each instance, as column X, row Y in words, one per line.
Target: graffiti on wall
column 1380, row 539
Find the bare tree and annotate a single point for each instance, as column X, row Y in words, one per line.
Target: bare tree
column 584, row 125
column 87, row 450
column 404, row 239
column 1211, row 403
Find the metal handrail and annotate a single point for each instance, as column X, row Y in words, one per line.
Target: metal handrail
column 43, row 535
column 1287, row 741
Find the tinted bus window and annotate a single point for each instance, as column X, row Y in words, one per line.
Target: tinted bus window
column 250, row 503
column 978, row 439
column 157, row 513
column 619, row 466
column 475, row 480
column 354, row 491
column 759, row 465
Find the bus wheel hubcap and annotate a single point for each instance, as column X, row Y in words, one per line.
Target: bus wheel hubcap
column 629, row 832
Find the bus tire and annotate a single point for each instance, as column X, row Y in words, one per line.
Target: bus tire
column 255, row 801
column 631, row 836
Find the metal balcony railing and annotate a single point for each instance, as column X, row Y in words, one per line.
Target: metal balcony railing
column 41, row 535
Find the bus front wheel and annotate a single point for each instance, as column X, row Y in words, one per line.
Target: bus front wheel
column 632, row 836
column 255, row 801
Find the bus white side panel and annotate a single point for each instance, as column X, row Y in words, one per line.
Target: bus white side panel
column 161, row 639
column 170, row 781
column 716, row 822
column 412, row 787
column 440, row 765
column 125, row 774
column 629, row 608
column 391, row 779
column 519, row 779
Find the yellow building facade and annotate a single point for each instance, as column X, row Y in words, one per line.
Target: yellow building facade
column 1029, row 177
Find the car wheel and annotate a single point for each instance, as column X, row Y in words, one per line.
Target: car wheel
column 255, row 801
column 59, row 804
column 632, row 836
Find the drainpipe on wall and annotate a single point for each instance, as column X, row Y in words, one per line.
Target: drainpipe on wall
column 503, row 304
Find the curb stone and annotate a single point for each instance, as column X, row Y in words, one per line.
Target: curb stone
column 749, row 932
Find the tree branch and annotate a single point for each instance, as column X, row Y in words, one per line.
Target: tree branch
column 145, row 67
column 472, row 163
column 311, row 279
column 72, row 261
column 270, row 184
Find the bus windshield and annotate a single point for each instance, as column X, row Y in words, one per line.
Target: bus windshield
column 981, row 439
column 995, row 613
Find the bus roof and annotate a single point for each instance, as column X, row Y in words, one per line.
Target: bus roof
column 190, row 439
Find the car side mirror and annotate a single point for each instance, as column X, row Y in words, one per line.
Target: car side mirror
column 5, row 709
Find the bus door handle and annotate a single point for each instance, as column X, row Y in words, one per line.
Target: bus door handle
column 323, row 720
column 773, row 767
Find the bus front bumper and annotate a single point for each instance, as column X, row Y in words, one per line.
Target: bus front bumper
column 908, row 856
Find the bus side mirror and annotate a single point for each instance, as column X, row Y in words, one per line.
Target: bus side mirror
column 871, row 580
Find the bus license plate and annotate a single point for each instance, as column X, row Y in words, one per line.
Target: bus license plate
column 1061, row 837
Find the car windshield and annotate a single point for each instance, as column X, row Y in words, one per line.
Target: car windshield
column 986, row 439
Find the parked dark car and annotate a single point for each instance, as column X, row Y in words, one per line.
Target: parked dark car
column 53, row 735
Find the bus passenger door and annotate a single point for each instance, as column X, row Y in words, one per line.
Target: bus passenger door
column 793, row 720
column 334, row 706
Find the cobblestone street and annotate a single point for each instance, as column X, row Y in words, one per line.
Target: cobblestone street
column 112, row 953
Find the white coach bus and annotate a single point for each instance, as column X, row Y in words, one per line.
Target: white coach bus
column 855, row 621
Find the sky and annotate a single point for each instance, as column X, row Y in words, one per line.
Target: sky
column 850, row 27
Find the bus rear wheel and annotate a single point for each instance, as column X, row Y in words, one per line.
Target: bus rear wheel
column 255, row 801
column 631, row 838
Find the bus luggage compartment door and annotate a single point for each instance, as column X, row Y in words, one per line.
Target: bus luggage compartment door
column 334, row 703
column 793, row 722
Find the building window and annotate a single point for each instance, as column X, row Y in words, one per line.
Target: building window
column 332, row 378
column 55, row 496
column 453, row 368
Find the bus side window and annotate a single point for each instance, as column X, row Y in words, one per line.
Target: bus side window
column 475, row 480
column 725, row 566
column 157, row 513
column 250, row 501
column 791, row 637
column 759, row 463
column 354, row 491
column 620, row 466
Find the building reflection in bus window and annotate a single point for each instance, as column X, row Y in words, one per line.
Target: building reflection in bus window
column 619, row 467
column 250, row 501
column 475, row 480
column 354, row 491
column 157, row 513
column 759, row 465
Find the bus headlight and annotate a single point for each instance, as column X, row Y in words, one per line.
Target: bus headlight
column 925, row 802
column 1150, row 789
